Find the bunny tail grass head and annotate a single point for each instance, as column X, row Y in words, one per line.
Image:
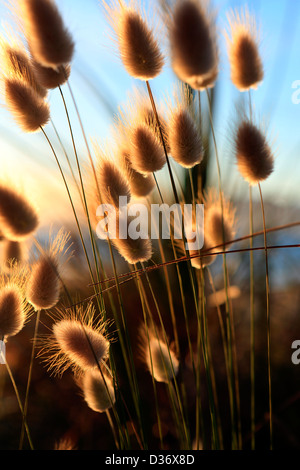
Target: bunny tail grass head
column 243, row 51
column 253, row 153
column 28, row 108
column 14, row 309
column 49, row 41
column 136, row 248
column 146, row 150
column 111, row 182
column 184, row 136
column 141, row 185
column 78, row 340
column 50, row 78
column 12, row 253
column 158, row 356
column 16, row 63
column 193, row 44
column 219, row 221
column 138, row 124
column 18, row 216
column 44, row 283
column 138, row 47
column 98, row 390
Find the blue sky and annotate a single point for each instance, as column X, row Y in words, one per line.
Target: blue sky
column 100, row 84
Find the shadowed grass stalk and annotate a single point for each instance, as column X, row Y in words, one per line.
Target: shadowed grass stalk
column 252, row 338
column 19, row 401
column 219, row 441
column 234, row 423
column 268, row 320
column 143, row 303
column 180, row 406
column 183, row 300
column 37, row 320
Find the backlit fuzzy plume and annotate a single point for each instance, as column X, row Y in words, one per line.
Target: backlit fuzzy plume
column 78, row 340
column 146, row 150
column 18, row 217
column 49, row 41
column 141, row 185
column 111, row 182
column 132, row 250
column 183, row 132
column 254, row 156
column 219, row 221
column 199, row 257
column 44, row 284
column 194, row 236
column 14, row 309
column 138, row 124
column 29, row 110
column 16, row 63
column 159, row 358
column 12, row 252
column 51, row 78
column 193, row 43
column 244, row 57
column 138, row 47
column 98, row 390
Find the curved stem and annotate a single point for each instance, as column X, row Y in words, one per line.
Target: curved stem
column 37, row 319
column 268, row 319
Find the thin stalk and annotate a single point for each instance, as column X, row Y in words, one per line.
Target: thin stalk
column 268, row 319
column 252, row 345
column 183, row 418
column 228, row 313
column 19, row 402
column 143, row 303
column 37, row 319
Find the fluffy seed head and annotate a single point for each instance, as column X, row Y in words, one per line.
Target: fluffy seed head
column 30, row 111
column 71, row 337
column 14, row 309
column 18, row 218
column 44, row 284
column 141, row 185
column 49, row 42
column 15, row 63
column 197, row 261
column 12, row 313
column 146, row 152
column 244, row 57
column 132, row 250
column 138, row 47
column 183, row 133
column 99, row 395
column 51, row 78
column 219, row 222
column 12, row 253
column 192, row 37
column 253, row 154
column 158, row 357
column 110, row 180
column 77, row 340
